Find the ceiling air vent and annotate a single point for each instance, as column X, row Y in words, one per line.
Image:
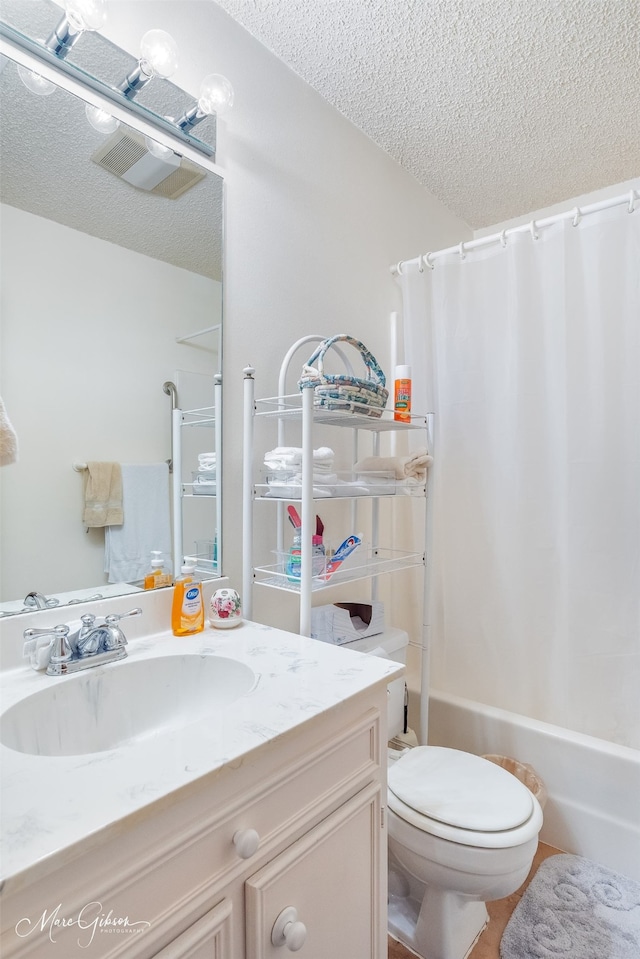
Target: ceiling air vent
column 126, row 156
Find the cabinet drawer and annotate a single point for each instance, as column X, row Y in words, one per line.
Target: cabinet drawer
column 289, row 801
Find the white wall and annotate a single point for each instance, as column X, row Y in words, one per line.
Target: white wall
column 88, row 339
column 315, row 215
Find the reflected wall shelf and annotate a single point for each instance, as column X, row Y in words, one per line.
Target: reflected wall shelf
column 201, row 418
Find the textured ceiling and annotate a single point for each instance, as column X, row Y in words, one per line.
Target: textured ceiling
column 498, row 107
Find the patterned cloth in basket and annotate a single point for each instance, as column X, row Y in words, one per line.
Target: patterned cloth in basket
column 345, row 391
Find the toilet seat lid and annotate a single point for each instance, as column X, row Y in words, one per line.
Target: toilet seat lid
column 460, row 789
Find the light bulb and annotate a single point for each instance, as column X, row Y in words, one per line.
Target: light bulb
column 158, row 150
column 100, row 120
column 86, row 14
column 216, row 94
column 158, row 58
column 35, row 83
column 158, row 54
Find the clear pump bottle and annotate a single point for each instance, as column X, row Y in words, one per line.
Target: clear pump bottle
column 158, row 575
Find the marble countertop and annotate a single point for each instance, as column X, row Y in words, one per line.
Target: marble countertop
column 50, row 803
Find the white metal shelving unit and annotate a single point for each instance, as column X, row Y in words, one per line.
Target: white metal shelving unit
column 299, row 408
column 209, row 418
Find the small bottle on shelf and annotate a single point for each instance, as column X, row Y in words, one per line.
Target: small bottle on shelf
column 402, row 394
column 293, row 560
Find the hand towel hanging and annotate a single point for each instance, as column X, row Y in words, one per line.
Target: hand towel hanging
column 146, row 527
column 103, row 495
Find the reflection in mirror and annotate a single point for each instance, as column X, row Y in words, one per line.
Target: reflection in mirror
column 109, row 290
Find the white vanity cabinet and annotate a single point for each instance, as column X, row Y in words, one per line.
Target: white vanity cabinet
column 208, row 937
column 206, row 871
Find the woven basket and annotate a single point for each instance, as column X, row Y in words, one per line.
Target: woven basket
column 344, row 391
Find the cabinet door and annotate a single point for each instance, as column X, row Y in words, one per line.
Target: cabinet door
column 331, row 877
column 208, row 938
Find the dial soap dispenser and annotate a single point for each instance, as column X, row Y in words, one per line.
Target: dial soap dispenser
column 187, row 614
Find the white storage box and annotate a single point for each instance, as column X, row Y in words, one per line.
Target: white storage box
column 343, row 623
column 391, row 644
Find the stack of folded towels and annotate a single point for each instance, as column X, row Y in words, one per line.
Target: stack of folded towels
column 413, row 467
column 207, row 461
column 285, row 465
column 289, row 459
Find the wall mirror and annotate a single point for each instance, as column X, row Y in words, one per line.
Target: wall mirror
column 111, row 323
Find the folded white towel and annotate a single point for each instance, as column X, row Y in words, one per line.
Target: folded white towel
column 403, row 467
column 288, row 457
column 8, row 439
column 207, row 461
column 146, row 526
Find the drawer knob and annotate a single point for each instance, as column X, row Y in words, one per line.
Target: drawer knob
column 246, row 842
column 287, row 931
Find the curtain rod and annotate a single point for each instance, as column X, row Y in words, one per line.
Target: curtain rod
column 576, row 213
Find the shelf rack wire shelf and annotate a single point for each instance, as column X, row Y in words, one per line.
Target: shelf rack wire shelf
column 211, row 418
column 299, row 408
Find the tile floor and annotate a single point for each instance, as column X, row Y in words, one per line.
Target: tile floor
column 488, row 945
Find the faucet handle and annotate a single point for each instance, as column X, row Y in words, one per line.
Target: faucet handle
column 39, row 644
column 61, row 651
column 114, row 618
column 115, row 637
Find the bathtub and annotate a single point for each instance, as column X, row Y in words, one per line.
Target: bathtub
column 593, row 809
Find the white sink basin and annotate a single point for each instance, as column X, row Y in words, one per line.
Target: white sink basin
column 123, row 703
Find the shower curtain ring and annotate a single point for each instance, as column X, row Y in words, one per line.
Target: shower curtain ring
column 427, row 260
column 577, row 216
column 632, row 200
column 503, row 238
column 399, row 267
column 534, row 232
column 461, row 251
column 420, row 266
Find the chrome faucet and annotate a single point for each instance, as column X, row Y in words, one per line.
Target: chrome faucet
column 35, row 600
column 97, row 641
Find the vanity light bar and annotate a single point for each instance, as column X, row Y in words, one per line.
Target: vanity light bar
column 15, row 44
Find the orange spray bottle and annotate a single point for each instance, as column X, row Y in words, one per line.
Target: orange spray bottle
column 402, row 394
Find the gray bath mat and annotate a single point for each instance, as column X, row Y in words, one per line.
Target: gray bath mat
column 575, row 909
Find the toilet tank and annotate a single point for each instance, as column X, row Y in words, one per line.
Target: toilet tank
column 391, row 644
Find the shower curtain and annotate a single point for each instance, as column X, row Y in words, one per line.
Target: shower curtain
column 528, row 351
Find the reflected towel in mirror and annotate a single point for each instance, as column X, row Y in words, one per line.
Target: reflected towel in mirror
column 8, row 439
column 102, row 495
column 146, row 526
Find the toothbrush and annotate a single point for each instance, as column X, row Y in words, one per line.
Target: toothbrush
column 294, row 517
column 345, row 549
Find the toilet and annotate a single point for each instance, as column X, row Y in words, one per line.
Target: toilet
column 462, row 831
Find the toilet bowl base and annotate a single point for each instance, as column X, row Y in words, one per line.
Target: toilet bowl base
column 445, row 925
